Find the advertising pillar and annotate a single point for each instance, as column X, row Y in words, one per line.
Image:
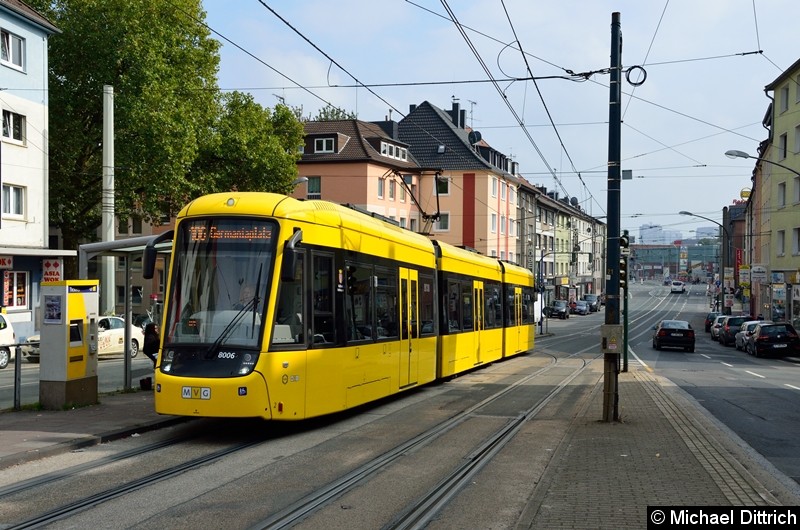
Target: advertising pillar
column 68, row 361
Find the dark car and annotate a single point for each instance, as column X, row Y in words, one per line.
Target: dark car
column 593, row 300
column 558, row 309
column 779, row 338
column 729, row 327
column 673, row 334
column 580, row 307
column 710, row 319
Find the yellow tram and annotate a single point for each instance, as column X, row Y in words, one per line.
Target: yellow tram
column 286, row 309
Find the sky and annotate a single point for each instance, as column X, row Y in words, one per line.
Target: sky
column 706, row 64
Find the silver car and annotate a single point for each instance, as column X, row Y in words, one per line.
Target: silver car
column 717, row 326
column 745, row 331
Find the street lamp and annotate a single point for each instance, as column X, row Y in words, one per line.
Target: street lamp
column 725, row 253
column 733, row 153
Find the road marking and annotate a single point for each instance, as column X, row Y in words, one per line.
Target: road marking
column 706, row 356
column 792, row 386
column 755, row 374
column 728, row 365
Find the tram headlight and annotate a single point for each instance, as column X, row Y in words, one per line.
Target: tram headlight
column 166, row 361
column 248, row 363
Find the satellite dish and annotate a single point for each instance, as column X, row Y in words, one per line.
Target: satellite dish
column 574, row 201
column 474, row 137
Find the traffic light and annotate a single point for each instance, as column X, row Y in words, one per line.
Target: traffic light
column 624, row 240
column 623, row 272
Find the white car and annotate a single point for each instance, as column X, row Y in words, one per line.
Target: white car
column 111, row 337
column 7, row 341
column 677, row 287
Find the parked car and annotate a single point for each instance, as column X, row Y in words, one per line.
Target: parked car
column 7, row 341
column 141, row 321
column 747, row 327
column 558, row 309
column 710, row 319
column 110, row 340
column 30, row 348
column 715, row 327
column 580, row 307
column 778, row 338
column 111, row 337
column 593, row 300
column 730, row 325
column 677, row 287
column 673, row 334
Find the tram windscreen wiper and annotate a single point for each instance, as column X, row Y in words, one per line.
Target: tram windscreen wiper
column 231, row 325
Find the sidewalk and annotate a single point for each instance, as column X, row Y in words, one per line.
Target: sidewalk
column 666, row 450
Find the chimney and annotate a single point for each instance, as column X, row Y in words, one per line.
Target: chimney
column 454, row 113
column 463, row 119
column 412, row 108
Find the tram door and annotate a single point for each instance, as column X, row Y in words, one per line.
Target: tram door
column 517, row 319
column 409, row 324
column 478, row 324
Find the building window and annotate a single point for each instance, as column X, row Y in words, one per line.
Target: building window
column 796, row 190
column 510, row 256
column 413, row 226
column 122, row 226
column 14, row 126
column 392, row 184
column 314, row 188
column 443, row 185
column 494, row 186
column 503, row 224
column 782, row 145
column 402, row 222
column 795, row 241
column 494, row 223
column 136, row 224
column 784, row 102
column 16, row 285
column 511, row 195
column 780, row 242
column 381, row 186
column 797, row 137
column 503, row 191
column 323, row 145
column 493, row 253
column 797, row 88
column 781, row 194
column 13, row 201
column 443, row 223
column 13, row 50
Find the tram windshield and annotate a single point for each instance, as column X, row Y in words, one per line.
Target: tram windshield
column 221, row 272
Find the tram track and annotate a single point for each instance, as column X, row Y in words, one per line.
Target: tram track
column 416, row 514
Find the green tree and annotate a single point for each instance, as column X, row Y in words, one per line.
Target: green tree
column 252, row 148
column 169, row 116
column 331, row 113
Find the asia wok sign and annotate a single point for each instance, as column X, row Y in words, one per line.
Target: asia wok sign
column 53, row 270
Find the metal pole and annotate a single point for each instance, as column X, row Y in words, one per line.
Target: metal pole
column 611, row 358
column 17, row 377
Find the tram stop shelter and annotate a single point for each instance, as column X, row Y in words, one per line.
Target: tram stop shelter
column 131, row 249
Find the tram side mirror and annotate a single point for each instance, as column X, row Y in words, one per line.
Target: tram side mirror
column 289, row 266
column 150, row 253
column 290, row 256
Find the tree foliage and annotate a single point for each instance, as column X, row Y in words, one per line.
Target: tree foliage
column 169, row 116
column 331, row 113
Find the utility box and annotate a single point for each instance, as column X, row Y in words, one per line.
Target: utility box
column 68, row 358
column 611, row 338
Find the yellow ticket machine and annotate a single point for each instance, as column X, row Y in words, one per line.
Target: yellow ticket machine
column 68, row 359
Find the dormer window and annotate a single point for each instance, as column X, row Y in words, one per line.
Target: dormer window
column 394, row 151
column 323, row 145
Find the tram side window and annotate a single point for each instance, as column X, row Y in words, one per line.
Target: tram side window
column 493, row 305
column 289, row 320
column 454, row 306
column 358, row 302
column 528, row 297
column 386, row 303
column 466, row 305
column 324, row 328
column 426, row 312
column 510, row 312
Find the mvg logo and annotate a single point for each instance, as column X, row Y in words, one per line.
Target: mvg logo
column 195, row 392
